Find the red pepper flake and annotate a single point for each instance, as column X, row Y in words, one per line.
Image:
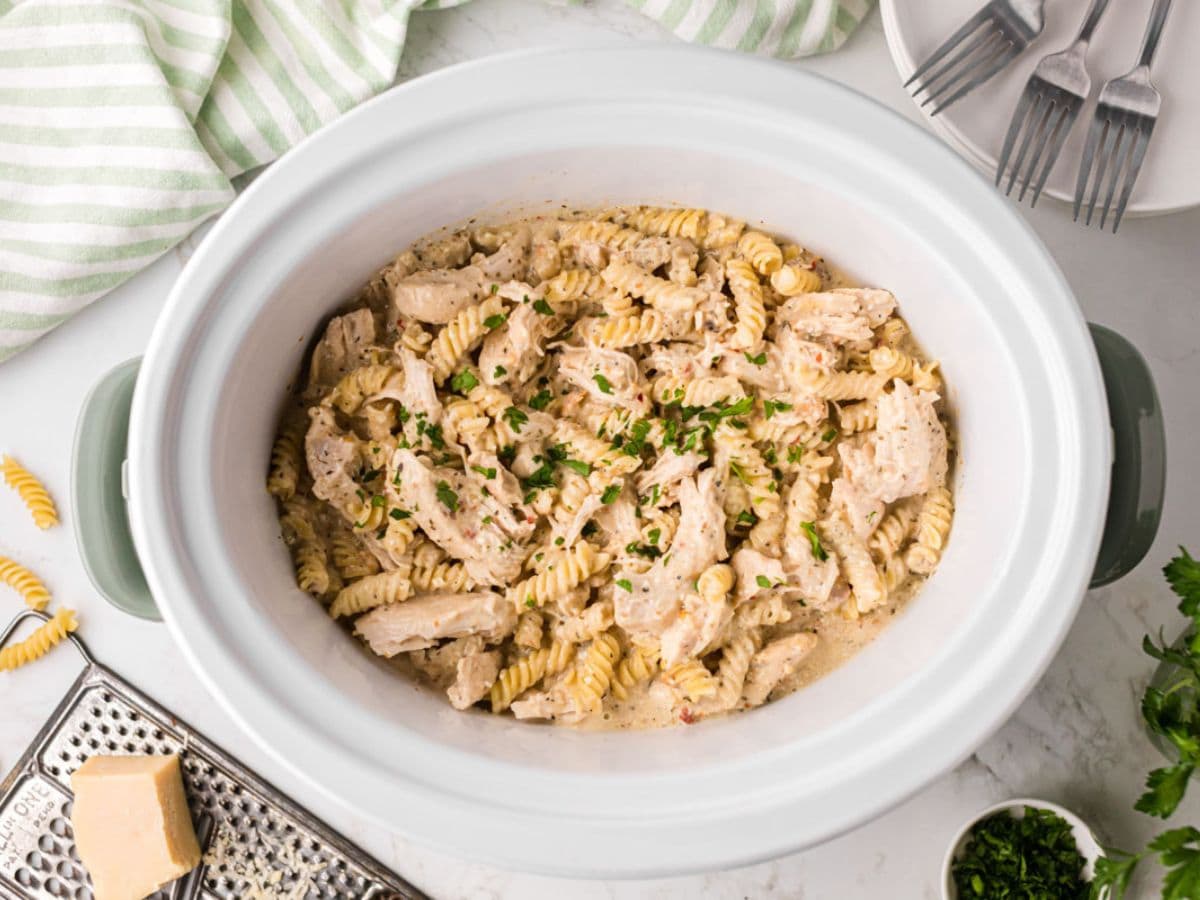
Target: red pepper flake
column 686, row 717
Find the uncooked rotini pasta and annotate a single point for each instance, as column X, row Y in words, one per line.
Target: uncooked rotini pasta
column 24, row 582
column 40, row 642
column 616, row 468
column 32, row 492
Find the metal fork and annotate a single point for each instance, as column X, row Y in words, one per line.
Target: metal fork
column 985, row 44
column 1047, row 110
column 1120, row 131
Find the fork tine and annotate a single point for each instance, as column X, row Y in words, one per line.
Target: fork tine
column 949, row 44
column 1141, row 142
column 955, row 69
column 1054, row 116
column 1036, row 120
column 1014, row 129
column 1105, row 152
column 1085, row 164
column 999, row 61
column 1065, row 123
column 1121, row 151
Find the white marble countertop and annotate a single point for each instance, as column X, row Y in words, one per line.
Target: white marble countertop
column 1077, row 739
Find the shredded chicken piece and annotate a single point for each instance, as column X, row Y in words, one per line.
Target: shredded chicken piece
column 421, row 621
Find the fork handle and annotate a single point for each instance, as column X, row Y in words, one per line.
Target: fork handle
column 1154, row 30
column 1095, row 11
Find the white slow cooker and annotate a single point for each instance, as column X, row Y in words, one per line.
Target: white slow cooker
column 759, row 140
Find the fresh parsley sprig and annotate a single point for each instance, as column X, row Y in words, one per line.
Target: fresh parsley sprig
column 1178, row 722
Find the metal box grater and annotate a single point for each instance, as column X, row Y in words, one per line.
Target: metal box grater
column 256, row 842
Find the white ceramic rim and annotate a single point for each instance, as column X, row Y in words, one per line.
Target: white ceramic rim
column 1085, row 839
column 727, row 827
column 984, row 161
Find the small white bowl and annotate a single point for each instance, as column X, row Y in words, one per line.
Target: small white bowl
column 1085, row 839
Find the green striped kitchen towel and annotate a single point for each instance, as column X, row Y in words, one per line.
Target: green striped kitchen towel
column 122, row 122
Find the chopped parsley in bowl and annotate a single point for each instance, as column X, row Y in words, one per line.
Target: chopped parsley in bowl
column 1019, row 850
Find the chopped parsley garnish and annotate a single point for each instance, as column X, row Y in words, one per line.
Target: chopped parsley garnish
column 603, row 383
column 829, row 435
column 541, row 477
column 446, row 495
column 485, row 471
column 653, row 536
column 578, row 465
column 760, row 360
column 559, row 541
column 723, row 411
column 762, row 581
column 736, row 468
column 637, row 438
column 507, row 454
column 625, row 584
column 746, row 518
column 814, row 540
column 770, row 407
column 499, row 372
column 589, row 529
column 611, row 493
column 541, row 399
column 515, row 418
column 495, row 288
column 464, row 382
column 770, row 456
column 487, row 520
column 795, row 452
column 529, row 602
column 643, row 550
column 371, row 474
column 651, row 498
column 1032, row 856
column 555, row 453
column 433, row 433
column 379, row 500
column 543, row 307
column 399, row 514
column 493, row 322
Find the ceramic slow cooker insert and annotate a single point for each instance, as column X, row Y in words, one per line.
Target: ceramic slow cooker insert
column 805, row 158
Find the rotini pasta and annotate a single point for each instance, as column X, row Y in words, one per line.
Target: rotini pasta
column 24, row 582
column 462, row 334
column 527, row 671
column 40, row 642
column 388, row 587
column 933, row 526
column 31, row 491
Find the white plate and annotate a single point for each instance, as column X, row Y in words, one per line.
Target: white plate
column 976, row 124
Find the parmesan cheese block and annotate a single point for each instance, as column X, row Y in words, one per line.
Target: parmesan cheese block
column 132, row 826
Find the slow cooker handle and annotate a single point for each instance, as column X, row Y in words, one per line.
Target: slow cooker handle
column 1139, row 470
column 98, row 494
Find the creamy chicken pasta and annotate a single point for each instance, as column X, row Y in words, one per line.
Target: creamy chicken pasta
column 640, row 466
